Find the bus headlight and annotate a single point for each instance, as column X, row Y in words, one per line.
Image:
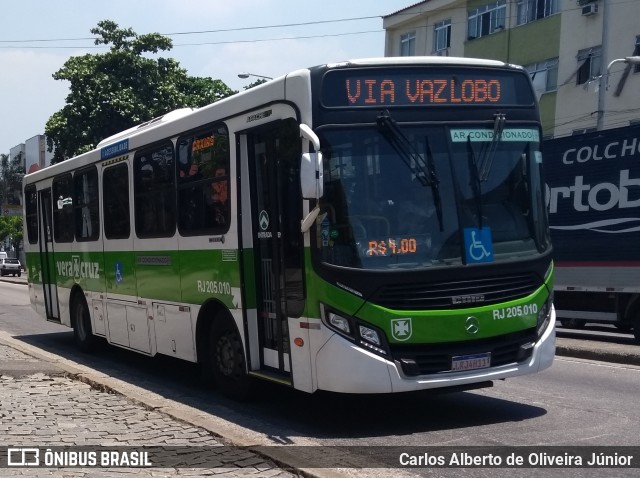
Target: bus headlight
column 370, row 335
column 339, row 322
column 362, row 334
column 544, row 316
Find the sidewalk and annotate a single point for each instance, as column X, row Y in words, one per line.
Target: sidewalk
column 43, row 404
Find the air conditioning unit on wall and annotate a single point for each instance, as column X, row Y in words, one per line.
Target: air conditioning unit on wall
column 590, row 9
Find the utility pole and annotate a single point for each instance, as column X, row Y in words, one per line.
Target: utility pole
column 604, row 58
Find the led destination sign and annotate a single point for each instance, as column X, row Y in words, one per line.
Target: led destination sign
column 424, row 87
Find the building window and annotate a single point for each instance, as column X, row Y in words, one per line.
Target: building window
column 408, row 44
column 589, row 61
column 532, row 10
column 442, row 35
column 544, row 75
column 487, row 19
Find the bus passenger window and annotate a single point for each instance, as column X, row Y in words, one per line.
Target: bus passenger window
column 202, row 173
column 220, row 198
column 85, row 205
column 154, row 186
column 31, row 208
column 115, row 186
column 63, row 208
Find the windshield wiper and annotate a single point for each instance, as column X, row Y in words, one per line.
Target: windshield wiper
column 405, row 149
column 488, row 153
column 474, row 179
column 435, row 181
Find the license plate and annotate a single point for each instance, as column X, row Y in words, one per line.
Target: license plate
column 470, row 362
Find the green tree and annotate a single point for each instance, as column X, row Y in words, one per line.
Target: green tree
column 11, row 174
column 11, row 227
column 113, row 91
column 253, row 84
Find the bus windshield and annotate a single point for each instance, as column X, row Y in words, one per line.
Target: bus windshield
column 416, row 196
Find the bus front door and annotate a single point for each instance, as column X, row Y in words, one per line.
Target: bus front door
column 47, row 260
column 274, row 153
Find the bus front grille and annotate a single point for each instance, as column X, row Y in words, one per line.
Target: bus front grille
column 426, row 359
column 456, row 294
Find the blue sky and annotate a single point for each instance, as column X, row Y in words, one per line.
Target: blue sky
column 29, row 95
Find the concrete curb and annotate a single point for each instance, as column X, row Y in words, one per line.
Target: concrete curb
column 15, row 280
column 604, row 352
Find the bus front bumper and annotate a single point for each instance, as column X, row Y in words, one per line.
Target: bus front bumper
column 344, row 367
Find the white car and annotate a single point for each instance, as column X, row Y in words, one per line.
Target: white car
column 10, row 266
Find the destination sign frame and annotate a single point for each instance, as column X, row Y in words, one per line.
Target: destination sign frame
column 425, row 86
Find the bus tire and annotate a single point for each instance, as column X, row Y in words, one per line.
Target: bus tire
column 81, row 320
column 227, row 359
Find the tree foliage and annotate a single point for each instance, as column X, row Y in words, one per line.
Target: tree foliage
column 11, row 226
column 11, row 174
column 255, row 83
column 113, row 91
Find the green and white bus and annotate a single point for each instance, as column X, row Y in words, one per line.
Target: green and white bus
column 372, row 226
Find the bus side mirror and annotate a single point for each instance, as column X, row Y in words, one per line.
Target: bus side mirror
column 311, row 175
column 311, row 171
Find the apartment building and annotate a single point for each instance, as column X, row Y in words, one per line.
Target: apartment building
column 566, row 45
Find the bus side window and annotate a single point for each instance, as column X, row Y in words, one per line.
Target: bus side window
column 154, row 187
column 31, row 209
column 115, row 185
column 202, row 174
column 85, row 206
column 63, row 208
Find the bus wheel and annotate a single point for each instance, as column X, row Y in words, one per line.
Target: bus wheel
column 228, row 364
column 82, row 325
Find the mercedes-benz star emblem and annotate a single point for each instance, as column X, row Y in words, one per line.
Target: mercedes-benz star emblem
column 472, row 325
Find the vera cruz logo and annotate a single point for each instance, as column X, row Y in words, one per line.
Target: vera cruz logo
column 401, row 329
column 78, row 269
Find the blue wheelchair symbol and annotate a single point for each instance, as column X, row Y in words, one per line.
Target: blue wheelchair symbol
column 478, row 245
column 119, row 276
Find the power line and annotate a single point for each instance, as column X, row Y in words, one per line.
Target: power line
column 223, row 42
column 283, row 25
column 221, row 30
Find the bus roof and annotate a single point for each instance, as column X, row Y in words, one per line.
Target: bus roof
column 273, row 90
column 422, row 60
